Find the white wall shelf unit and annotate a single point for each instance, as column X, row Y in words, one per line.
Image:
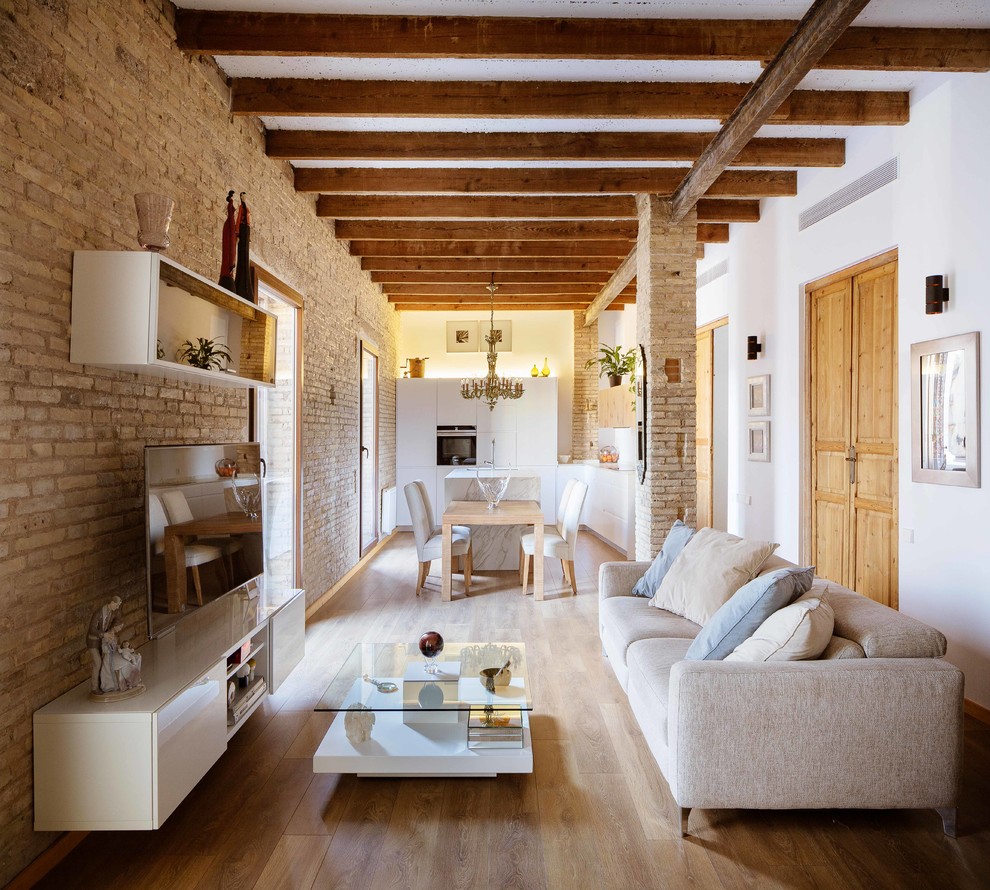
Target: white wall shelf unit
column 127, row 765
column 129, row 306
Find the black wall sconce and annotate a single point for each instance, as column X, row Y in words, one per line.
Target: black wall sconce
column 936, row 296
column 753, row 348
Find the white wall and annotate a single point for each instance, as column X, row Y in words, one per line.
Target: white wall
column 938, row 216
column 535, row 335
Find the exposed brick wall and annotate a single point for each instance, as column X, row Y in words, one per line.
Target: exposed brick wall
column 584, row 422
column 665, row 325
column 96, row 104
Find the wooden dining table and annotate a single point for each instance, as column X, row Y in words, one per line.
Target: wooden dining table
column 506, row 513
column 179, row 533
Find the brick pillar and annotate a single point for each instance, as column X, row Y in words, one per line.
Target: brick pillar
column 584, row 423
column 665, row 326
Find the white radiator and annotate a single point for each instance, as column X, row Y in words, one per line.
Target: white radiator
column 387, row 511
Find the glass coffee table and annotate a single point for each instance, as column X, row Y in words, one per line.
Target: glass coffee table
column 394, row 718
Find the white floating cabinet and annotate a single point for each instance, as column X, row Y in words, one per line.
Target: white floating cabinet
column 132, row 310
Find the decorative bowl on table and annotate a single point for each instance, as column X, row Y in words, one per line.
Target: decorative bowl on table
column 493, row 678
column 493, row 488
column 226, row 467
column 563, row 458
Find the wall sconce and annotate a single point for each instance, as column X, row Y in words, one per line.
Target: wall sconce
column 753, row 348
column 935, row 295
column 332, row 394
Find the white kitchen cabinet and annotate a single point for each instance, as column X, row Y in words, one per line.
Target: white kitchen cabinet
column 405, row 475
column 502, row 417
column 415, row 423
column 497, row 446
column 610, row 505
column 548, row 489
column 536, row 423
column 132, row 310
column 127, row 765
column 452, row 408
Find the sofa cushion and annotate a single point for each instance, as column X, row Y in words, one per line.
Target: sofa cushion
column 712, row 566
column 747, row 609
column 650, row 662
column 626, row 619
column 677, row 537
column 799, row 631
column 840, row 647
column 882, row 632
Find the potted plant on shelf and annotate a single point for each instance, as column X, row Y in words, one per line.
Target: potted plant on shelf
column 613, row 362
column 210, row 355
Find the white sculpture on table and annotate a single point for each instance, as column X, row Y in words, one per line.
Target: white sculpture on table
column 358, row 722
column 116, row 669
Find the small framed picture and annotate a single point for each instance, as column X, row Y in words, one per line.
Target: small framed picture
column 758, row 396
column 462, row 336
column 758, row 447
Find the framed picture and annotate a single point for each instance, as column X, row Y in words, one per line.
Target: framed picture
column 462, row 336
column 758, row 396
column 759, row 440
column 945, row 411
column 503, row 335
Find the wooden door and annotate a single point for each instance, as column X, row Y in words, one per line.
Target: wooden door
column 853, row 449
column 705, row 421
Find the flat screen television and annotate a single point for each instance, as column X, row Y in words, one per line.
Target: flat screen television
column 203, row 526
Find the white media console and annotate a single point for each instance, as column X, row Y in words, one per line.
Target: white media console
column 129, row 764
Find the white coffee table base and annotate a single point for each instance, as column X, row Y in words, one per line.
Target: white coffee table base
column 400, row 749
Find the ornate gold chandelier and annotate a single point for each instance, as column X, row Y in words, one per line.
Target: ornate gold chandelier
column 491, row 388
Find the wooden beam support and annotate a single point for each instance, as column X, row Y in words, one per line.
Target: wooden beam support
column 480, row 291
column 489, row 264
column 499, row 307
column 595, row 279
column 538, row 180
column 488, row 230
column 516, row 207
column 551, row 99
column 334, row 145
column 818, row 30
column 491, row 37
column 481, row 300
column 616, row 285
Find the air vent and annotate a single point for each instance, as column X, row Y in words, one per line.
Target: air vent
column 885, row 173
column 716, row 271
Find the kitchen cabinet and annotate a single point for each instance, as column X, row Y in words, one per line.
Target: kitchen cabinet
column 452, row 408
column 610, row 506
column 502, row 417
column 497, row 446
column 536, row 423
column 405, row 475
column 616, row 407
column 415, row 423
column 132, row 311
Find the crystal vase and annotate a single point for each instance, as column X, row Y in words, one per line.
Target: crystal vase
column 154, row 216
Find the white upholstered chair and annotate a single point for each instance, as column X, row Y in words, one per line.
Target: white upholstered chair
column 197, row 554
column 177, row 510
column 429, row 540
column 558, row 541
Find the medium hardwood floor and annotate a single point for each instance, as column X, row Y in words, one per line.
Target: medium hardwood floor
column 595, row 814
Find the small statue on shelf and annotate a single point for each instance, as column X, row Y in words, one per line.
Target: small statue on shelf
column 116, row 669
column 358, row 722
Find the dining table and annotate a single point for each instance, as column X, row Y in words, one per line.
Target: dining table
column 504, row 513
column 179, row 533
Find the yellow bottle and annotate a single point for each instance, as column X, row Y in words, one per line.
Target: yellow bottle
column 535, row 372
column 546, row 368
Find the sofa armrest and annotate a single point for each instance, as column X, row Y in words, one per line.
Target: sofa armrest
column 619, row 578
column 871, row 733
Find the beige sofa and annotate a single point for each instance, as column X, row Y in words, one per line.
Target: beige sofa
column 875, row 723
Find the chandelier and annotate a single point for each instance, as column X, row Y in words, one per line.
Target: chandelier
column 491, row 388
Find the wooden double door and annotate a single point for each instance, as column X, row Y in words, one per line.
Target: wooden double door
column 852, row 394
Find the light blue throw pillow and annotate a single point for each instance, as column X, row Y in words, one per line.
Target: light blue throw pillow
column 677, row 537
column 749, row 606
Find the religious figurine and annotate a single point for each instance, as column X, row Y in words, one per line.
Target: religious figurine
column 358, row 722
column 116, row 669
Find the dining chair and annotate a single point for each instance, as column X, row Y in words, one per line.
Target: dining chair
column 196, row 554
column 429, row 538
column 557, row 528
column 559, row 542
column 177, row 509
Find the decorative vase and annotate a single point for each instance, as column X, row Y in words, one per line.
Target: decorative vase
column 154, row 214
column 546, row 368
column 535, row 372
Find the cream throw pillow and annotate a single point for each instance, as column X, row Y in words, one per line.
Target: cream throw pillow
column 712, row 566
column 799, row 631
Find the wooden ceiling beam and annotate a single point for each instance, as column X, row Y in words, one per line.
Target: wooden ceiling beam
column 334, row 145
column 480, row 291
column 486, row 230
column 465, row 207
column 482, row 302
column 489, row 264
column 537, row 180
column 552, row 99
column 818, row 30
column 500, row 307
column 490, row 37
column 594, row 279
column 617, row 285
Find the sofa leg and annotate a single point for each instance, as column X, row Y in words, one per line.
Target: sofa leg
column 685, row 812
column 948, row 815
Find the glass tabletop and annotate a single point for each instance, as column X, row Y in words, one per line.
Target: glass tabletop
column 393, row 677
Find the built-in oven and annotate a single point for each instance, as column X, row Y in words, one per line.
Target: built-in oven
column 457, row 445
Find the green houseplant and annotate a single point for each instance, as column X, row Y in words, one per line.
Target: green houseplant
column 613, row 362
column 210, row 355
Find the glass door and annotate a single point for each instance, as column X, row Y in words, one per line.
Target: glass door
column 369, row 447
column 277, row 427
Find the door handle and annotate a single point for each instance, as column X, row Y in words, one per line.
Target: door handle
column 364, row 450
column 851, row 460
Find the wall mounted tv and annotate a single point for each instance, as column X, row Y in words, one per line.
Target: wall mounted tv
column 203, row 526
